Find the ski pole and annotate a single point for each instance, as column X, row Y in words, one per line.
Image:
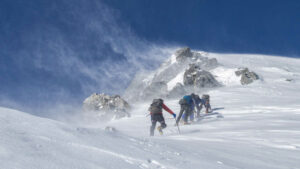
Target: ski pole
column 177, row 126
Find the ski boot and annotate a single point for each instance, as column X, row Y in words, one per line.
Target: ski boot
column 159, row 128
column 181, row 121
column 186, row 123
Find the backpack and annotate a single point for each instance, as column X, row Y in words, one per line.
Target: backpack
column 197, row 99
column 182, row 102
column 156, row 106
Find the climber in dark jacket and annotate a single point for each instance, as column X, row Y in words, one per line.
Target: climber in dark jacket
column 197, row 102
column 156, row 115
column 205, row 101
column 187, row 105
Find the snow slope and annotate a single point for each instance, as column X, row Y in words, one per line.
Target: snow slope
column 32, row 142
column 256, row 126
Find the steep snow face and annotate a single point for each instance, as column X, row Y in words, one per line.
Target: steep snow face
column 254, row 126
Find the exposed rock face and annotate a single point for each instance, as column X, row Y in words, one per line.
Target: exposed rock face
column 178, row 90
column 107, row 107
column 198, row 78
column 184, row 57
column 183, row 54
column 155, row 90
column 247, row 77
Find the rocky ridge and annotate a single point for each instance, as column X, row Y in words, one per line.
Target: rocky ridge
column 189, row 67
column 106, row 106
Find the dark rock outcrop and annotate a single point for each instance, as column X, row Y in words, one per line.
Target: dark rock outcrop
column 107, row 107
column 247, row 76
column 195, row 76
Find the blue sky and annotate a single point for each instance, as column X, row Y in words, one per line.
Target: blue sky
column 254, row 26
column 57, row 52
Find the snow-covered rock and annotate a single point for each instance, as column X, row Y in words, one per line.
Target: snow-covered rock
column 198, row 78
column 247, row 76
column 182, row 55
column 106, row 107
column 226, row 76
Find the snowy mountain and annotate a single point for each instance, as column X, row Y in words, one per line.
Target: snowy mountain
column 254, row 126
column 186, row 71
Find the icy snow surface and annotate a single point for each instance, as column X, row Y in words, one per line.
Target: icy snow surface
column 177, row 79
column 255, row 127
column 226, row 76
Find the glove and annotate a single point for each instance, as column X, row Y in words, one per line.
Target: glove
column 174, row 115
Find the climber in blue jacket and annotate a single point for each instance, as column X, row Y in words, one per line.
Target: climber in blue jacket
column 187, row 106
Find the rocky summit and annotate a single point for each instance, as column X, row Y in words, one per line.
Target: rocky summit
column 182, row 55
column 184, row 72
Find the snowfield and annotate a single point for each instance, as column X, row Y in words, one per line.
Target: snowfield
column 256, row 126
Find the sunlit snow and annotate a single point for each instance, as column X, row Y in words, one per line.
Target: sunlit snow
column 254, row 126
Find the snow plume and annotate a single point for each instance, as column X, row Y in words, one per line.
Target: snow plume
column 74, row 50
